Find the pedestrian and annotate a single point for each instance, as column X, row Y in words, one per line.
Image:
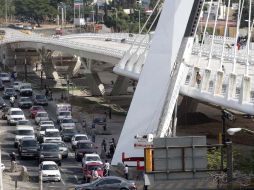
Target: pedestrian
column 36, row 66
column 126, row 172
column 110, row 113
column 104, row 145
column 46, row 92
column 95, row 175
column 106, row 168
column 84, row 123
column 93, row 135
column 198, row 78
column 223, row 68
column 13, row 156
column 15, row 75
column 113, row 142
column 111, row 149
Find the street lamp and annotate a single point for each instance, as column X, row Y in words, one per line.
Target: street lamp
column 232, row 131
column 138, row 20
column 113, row 8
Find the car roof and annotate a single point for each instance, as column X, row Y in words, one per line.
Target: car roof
column 85, row 141
column 77, row 135
column 51, row 125
column 52, row 130
column 87, row 155
column 22, row 127
column 41, row 112
column 48, row 162
column 15, row 109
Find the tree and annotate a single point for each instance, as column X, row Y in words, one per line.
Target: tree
column 37, row 10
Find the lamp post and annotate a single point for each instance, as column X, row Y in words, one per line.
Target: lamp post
column 6, row 14
column 68, row 87
column 232, row 131
column 116, row 16
column 93, row 21
column 139, row 18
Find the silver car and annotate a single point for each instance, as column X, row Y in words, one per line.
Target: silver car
column 62, row 147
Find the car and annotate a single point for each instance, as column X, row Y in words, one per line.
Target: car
column 21, row 132
column 41, row 116
column 16, row 85
column 52, row 135
column 89, row 158
column 109, row 182
column 34, row 109
column 27, row 27
column 5, row 111
column 1, row 85
column 63, row 107
column 13, row 115
column 63, row 115
column 63, row 148
column 23, row 122
column 25, row 89
column 49, row 152
column 28, row 147
column 49, row 171
column 25, row 102
column 40, row 99
column 2, row 103
column 89, row 168
column 42, row 129
column 84, row 147
column 67, row 133
column 67, row 122
column 46, row 122
column 76, row 138
column 18, row 26
column 5, row 77
column 8, row 92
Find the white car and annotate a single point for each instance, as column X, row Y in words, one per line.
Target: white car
column 25, row 89
column 67, row 122
column 46, row 122
column 89, row 158
column 52, row 135
column 41, row 116
column 23, row 132
column 5, row 77
column 13, row 115
column 76, row 138
column 16, row 85
column 49, row 171
column 43, row 128
column 63, row 114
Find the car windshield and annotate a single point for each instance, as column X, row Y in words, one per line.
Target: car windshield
column 42, row 115
column 25, row 132
column 61, row 144
column 94, row 168
column 9, row 90
column 42, row 97
column 23, row 122
column 50, row 147
column 78, row 138
column 31, row 143
column 25, row 99
column 16, row 83
column 85, row 145
column 46, row 122
column 69, row 131
column 65, row 113
column 93, row 158
column 4, row 75
column 17, row 113
column 37, row 108
column 52, row 134
column 43, row 128
column 25, row 87
column 67, row 121
column 50, row 167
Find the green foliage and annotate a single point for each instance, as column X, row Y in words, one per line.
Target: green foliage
column 214, row 159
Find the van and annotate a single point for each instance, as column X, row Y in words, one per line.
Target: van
column 23, row 132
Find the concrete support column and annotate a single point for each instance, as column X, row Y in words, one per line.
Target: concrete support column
column 231, row 88
column 93, row 80
column 205, row 80
column 193, row 77
column 120, row 86
column 218, row 83
column 245, row 89
column 187, row 105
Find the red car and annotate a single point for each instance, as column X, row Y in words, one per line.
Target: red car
column 88, row 170
column 34, row 109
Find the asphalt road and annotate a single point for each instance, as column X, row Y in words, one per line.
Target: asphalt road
column 70, row 170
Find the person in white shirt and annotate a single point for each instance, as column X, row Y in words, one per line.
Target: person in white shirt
column 126, row 172
column 106, row 168
column 95, row 175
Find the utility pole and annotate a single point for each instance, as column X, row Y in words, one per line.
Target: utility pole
column 1, row 171
column 6, row 14
column 68, row 87
column 229, row 165
column 40, row 181
column 25, row 70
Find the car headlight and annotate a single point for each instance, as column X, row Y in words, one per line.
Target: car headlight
column 60, row 156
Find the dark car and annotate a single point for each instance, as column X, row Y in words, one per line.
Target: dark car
column 2, row 103
column 40, row 99
column 23, row 122
column 1, row 85
column 8, row 92
column 84, row 147
column 49, row 152
column 34, row 109
column 28, row 147
column 5, row 110
column 68, row 133
column 109, row 182
column 25, row 102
